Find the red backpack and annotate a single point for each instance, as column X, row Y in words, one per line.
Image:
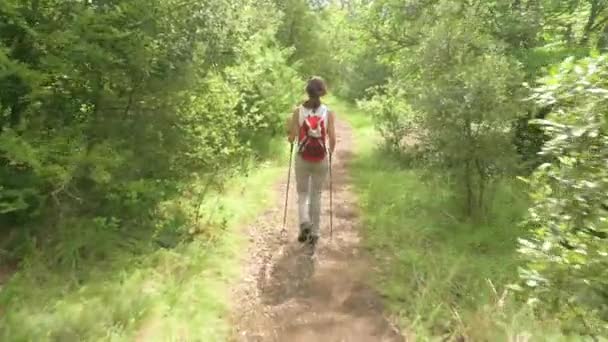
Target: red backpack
column 311, row 143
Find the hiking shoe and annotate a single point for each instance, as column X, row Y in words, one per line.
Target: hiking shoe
column 304, row 232
column 313, row 239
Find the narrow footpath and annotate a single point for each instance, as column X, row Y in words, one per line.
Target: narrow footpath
column 291, row 293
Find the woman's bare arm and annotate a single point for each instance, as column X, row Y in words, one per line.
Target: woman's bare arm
column 292, row 126
column 331, row 132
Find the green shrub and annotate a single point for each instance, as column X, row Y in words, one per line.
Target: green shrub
column 110, row 107
column 568, row 252
column 392, row 116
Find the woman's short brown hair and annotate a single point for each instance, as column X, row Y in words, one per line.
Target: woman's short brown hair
column 316, row 88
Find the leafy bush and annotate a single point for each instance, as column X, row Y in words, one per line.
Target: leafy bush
column 464, row 87
column 267, row 87
column 110, row 107
column 120, row 121
column 393, row 117
column 568, row 251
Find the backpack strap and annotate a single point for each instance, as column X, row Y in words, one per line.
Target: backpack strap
column 305, row 113
column 324, row 111
column 302, row 115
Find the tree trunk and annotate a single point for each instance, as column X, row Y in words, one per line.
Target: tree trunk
column 468, row 177
column 481, row 188
column 468, row 183
column 516, row 5
column 569, row 35
column 595, row 11
column 602, row 43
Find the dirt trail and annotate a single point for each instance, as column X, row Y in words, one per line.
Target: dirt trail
column 291, row 294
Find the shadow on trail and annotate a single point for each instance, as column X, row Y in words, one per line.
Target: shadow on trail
column 289, row 276
column 314, row 295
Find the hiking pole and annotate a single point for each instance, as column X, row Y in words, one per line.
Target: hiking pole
column 287, row 190
column 331, row 203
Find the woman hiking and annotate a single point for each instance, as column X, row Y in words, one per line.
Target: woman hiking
column 312, row 123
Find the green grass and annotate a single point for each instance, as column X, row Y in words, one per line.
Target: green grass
column 438, row 275
column 162, row 294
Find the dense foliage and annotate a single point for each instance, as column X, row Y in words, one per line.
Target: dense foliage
column 108, row 107
column 456, row 89
column 118, row 118
column 569, row 251
column 459, row 77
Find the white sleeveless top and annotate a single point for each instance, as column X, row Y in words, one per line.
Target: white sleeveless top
column 322, row 111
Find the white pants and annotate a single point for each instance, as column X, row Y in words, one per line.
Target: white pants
column 310, row 178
